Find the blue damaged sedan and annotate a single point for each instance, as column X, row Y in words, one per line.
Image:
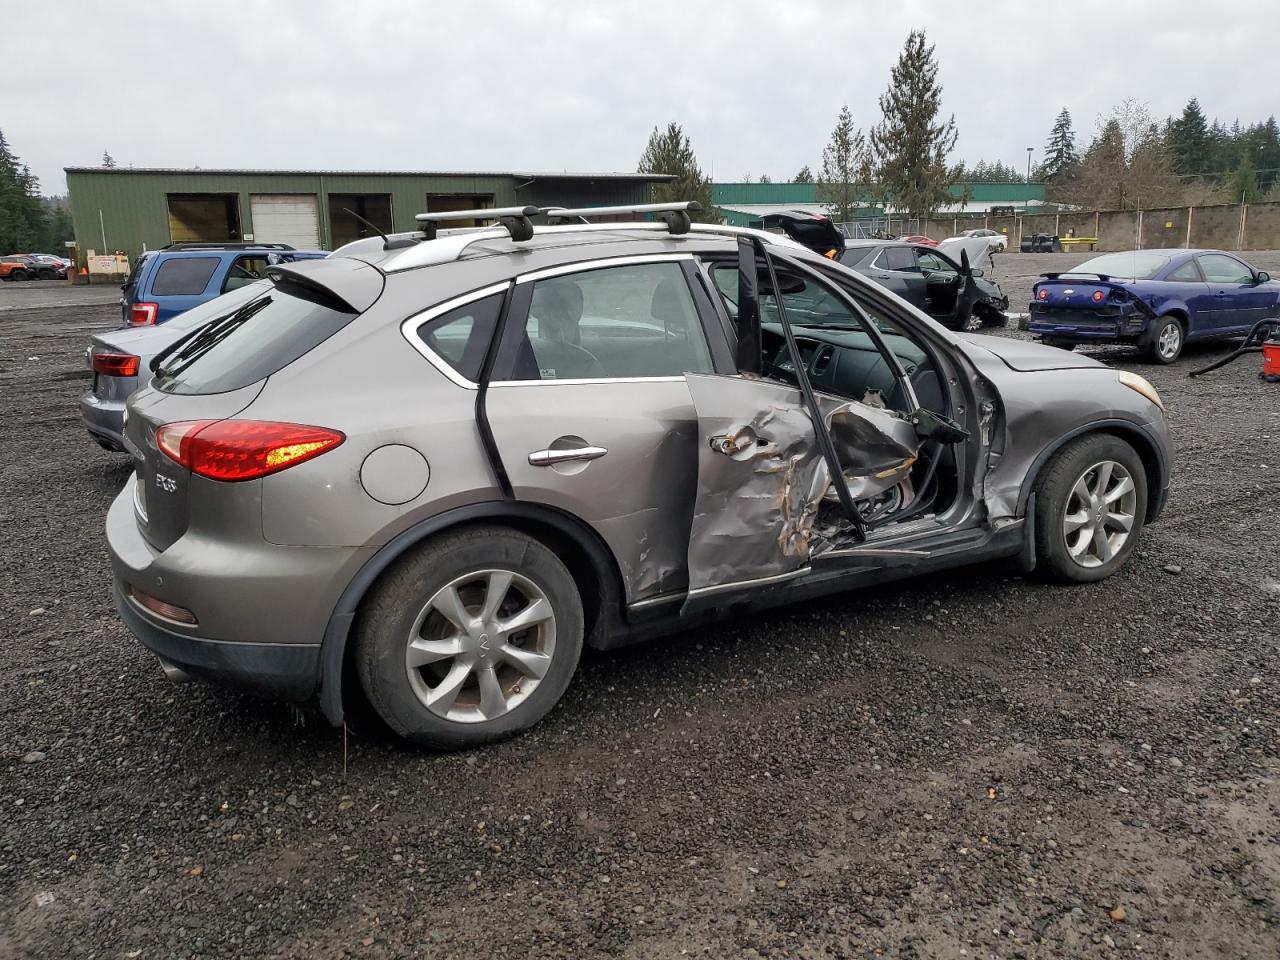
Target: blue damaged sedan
column 1157, row 300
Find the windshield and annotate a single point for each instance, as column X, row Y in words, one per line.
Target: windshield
column 254, row 332
column 1130, row 266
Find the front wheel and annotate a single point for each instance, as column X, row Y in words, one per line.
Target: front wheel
column 472, row 638
column 1091, row 501
column 1166, row 341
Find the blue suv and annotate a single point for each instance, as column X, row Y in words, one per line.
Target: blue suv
column 173, row 279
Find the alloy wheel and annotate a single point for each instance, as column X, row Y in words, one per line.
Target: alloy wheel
column 1170, row 341
column 1100, row 513
column 481, row 645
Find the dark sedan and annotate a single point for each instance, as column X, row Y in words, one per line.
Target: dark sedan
column 957, row 295
column 1155, row 299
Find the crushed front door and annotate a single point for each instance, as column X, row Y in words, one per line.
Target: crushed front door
column 766, row 506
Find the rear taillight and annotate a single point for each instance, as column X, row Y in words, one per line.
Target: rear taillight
column 1098, row 296
column 1043, row 294
column 116, row 364
column 234, row 450
column 143, row 314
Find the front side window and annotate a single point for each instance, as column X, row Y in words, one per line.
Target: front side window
column 932, row 263
column 244, row 271
column 461, row 337
column 636, row 320
column 1219, row 268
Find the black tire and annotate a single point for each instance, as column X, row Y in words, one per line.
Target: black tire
column 1164, row 345
column 19, row 275
column 972, row 323
column 46, row 275
column 389, row 614
column 1054, row 493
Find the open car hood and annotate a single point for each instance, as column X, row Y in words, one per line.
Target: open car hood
column 816, row 232
column 1027, row 357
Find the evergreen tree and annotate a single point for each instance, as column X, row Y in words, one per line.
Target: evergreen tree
column 1189, row 140
column 765, row 178
column 911, row 143
column 22, row 217
column 669, row 151
column 804, row 176
column 1060, row 151
column 846, row 169
column 1244, row 182
column 108, row 160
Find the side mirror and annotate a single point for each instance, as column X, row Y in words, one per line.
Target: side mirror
column 976, row 273
column 1262, row 277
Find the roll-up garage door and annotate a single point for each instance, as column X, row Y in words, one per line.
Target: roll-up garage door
column 290, row 218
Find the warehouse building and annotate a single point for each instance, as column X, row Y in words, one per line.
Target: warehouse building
column 132, row 209
column 745, row 204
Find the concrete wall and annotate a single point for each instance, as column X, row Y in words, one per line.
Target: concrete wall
column 1228, row 226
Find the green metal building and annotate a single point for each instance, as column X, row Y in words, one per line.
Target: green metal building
column 131, row 210
column 744, row 204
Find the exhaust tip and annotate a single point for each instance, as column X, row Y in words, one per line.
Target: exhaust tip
column 174, row 673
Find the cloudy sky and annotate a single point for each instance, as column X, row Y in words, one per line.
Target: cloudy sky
column 556, row 85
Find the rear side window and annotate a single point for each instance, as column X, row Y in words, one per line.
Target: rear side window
column 265, row 335
column 183, row 276
column 461, row 337
column 898, row 258
column 1187, row 273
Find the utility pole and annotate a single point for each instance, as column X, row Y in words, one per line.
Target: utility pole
column 1029, row 149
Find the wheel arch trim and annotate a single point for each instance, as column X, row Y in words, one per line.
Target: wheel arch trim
column 1153, row 459
column 337, row 633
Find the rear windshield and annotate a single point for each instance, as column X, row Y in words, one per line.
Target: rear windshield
column 1128, row 266
column 273, row 326
column 183, row 276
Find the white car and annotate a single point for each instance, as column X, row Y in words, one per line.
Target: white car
column 996, row 241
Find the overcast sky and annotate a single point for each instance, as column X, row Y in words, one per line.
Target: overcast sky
column 542, row 85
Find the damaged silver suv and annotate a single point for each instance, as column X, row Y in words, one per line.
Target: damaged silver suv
column 427, row 470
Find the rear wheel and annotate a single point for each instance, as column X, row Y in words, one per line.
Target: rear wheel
column 1166, row 340
column 47, row 275
column 470, row 639
column 1090, row 503
column 19, row 275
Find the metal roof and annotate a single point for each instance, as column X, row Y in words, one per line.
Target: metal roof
column 534, row 175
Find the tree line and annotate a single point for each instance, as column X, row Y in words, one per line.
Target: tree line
column 1135, row 161
column 29, row 223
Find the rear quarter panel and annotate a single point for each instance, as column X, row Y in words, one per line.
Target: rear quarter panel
column 368, row 382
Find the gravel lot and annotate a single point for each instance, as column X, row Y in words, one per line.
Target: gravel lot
column 974, row 765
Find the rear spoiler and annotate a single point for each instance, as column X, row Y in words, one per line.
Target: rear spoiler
column 342, row 281
column 1075, row 273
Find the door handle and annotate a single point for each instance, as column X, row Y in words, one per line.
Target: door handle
column 548, row 458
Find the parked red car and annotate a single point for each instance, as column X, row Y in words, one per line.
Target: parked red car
column 920, row 239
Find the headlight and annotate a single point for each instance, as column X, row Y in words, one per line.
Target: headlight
column 1142, row 386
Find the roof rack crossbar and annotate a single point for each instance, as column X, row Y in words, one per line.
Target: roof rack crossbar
column 674, row 215
column 515, row 219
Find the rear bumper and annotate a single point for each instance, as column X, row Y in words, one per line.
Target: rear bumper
column 104, row 419
column 261, row 609
column 1127, row 327
column 289, row 671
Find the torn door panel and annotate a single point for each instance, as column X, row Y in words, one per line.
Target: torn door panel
column 762, row 480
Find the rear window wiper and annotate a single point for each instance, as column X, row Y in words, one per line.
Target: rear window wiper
column 200, row 341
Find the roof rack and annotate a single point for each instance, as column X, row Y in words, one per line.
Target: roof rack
column 674, row 215
column 228, row 245
column 514, row 219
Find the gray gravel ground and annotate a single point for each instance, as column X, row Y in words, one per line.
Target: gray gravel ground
column 974, row 765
